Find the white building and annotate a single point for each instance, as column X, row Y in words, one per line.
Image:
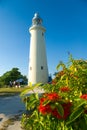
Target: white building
column 38, row 70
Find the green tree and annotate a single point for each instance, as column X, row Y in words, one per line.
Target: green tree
column 11, row 75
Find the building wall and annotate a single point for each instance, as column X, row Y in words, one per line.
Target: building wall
column 38, row 70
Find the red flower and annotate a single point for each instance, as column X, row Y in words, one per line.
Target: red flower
column 48, row 109
column 56, row 114
column 53, row 96
column 42, row 100
column 45, row 109
column 66, row 107
column 84, row 96
column 65, row 89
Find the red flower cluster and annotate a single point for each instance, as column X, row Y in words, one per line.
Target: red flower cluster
column 67, row 111
column 47, row 109
column 44, row 109
column 53, row 96
column 65, row 89
column 42, row 100
column 84, row 96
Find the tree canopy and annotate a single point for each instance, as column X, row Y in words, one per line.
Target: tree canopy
column 11, row 75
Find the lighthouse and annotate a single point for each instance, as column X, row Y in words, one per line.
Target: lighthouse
column 38, row 69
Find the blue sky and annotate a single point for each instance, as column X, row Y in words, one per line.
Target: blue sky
column 66, row 31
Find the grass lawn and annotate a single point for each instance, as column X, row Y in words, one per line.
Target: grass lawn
column 11, row 91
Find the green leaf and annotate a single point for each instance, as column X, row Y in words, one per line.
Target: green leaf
column 61, row 64
column 63, row 76
column 52, row 106
column 77, row 113
column 32, row 105
column 46, row 102
column 37, row 96
column 83, row 102
column 83, row 124
column 60, row 109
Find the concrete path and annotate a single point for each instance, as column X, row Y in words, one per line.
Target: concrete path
column 10, row 107
column 15, row 126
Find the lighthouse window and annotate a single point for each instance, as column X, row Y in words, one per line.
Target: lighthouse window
column 41, row 67
column 30, row 68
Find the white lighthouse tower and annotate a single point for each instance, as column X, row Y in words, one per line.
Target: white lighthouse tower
column 38, row 70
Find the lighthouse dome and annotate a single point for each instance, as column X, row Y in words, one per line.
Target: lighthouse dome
column 36, row 19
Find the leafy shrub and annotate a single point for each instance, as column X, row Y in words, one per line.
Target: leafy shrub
column 63, row 105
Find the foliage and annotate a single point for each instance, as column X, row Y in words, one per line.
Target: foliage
column 63, row 105
column 11, row 75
